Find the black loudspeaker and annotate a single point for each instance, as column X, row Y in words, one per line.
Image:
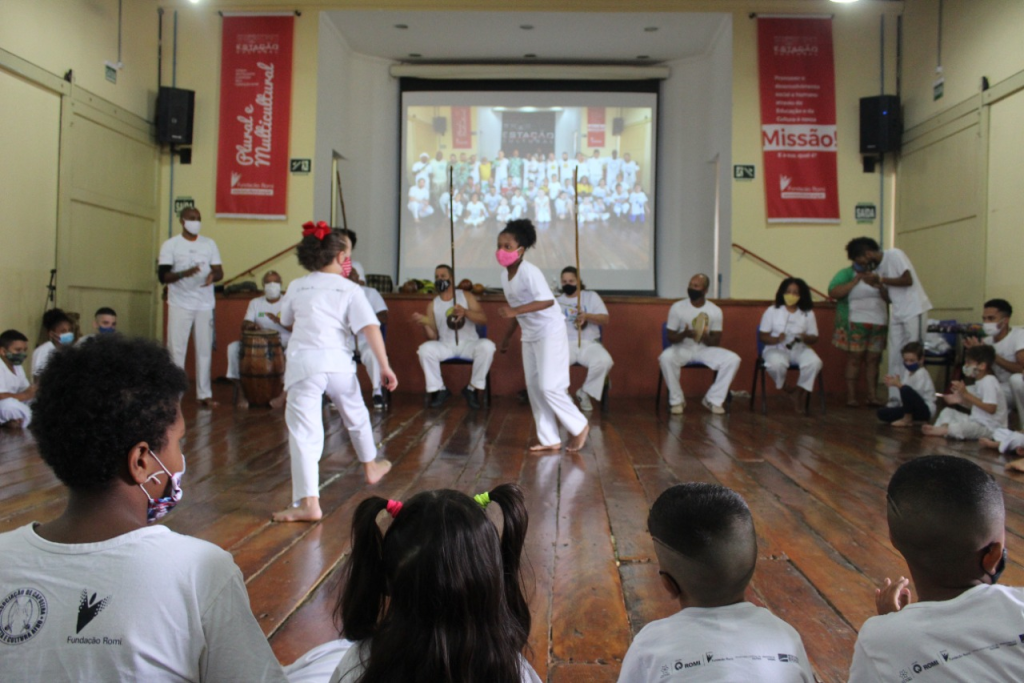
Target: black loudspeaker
column 174, row 110
column 617, row 125
column 440, row 125
column 881, row 124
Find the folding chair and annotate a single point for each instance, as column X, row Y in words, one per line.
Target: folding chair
column 694, row 365
column 761, row 371
column 481, row 331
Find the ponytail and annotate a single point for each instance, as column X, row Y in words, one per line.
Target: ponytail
column 363, row 597
column 515, row 522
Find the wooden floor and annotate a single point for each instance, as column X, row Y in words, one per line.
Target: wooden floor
column 816, row 486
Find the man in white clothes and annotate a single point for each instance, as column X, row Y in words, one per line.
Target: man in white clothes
column 695, row 332
column 189, row 264
column 419, row 200
column 630, row 171
column 457, row 307
column 366, row 355
column 438, row 175
column 421, row 170
column 263, row 313
column 613, row 168
column 1008, row 342
column 892, row 270
column 565, row 169
column 595, row 167
column 499, row 169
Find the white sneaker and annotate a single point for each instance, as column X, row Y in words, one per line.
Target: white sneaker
column 715, row 410
column 677, row 409
column 585, row 405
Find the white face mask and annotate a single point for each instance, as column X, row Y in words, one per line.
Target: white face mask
column 992, row 329
column 970, row 370
column 193, row 226
column 272, row 290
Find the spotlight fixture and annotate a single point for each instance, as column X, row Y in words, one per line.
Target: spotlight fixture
column 415, row 55
column 530, row 55
column 402, row 27
column 526, row 27
column 650, row 29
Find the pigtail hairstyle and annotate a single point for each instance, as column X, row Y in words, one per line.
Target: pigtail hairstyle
column 364, row 585
column 509, row 498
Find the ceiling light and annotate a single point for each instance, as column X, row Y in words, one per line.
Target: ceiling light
column 651, row 29
column 415, row 54
column 401, row 26
column 843, row 2
column 526, row 27
column 530, row 55
column 643, row 56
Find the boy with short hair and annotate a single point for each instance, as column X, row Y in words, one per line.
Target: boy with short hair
column 946, row 517
column 103, row 322
column 61, row 333
column 985, row 399
column 917, row 390
column 15, row 389
column 704, row 539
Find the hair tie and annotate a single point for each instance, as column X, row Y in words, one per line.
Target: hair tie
column 318, row 230
column 394, row 507
column 483, row 499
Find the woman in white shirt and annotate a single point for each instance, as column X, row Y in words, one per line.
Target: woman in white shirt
column 788, row 330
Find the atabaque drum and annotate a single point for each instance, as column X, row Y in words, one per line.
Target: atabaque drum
column 262, row 367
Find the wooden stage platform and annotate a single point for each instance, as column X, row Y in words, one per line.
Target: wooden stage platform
column 816, row 486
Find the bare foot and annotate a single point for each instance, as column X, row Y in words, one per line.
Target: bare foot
column 375, row 470
column 308, row 510
column 278, row 401
column 241, row 402
column 989, row 443
column 540, row 449
column 932, row 430
column 209, row 403
column 576, row 443
column 1016, row 465
column 905, row 421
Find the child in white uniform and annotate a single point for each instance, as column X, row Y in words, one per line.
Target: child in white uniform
column 1008, row 341
column 60, row 331
column 15, row 390
column 917, row 390
column 518, row 204
column 476, row 212
column 585, row 316
column 985, row 397
column 458, row 206
column 545, row 347
column 638, row 205
column 563, row 206
column 621, row 201
column 419, row 200
column 707, row 551
column 542, row 209
column 492, row 200
column 325, row 310
column 788, row 330
column 503, row 213
column 262, row 313
column 947, row 518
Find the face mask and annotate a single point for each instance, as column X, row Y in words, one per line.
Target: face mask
column 695, row 294
column 970, row 370
column 66, row 338
column 568, row 290
column 346, row 266
column 791, row 299
column 159, row 508
column 992, row 329
column 994, row 576
column 858, row 268
column 507, row 258
column 442, row 285
column 912, row 367
column 106, row 330
column 272, row 290
column 193, row 227
column 16, row 358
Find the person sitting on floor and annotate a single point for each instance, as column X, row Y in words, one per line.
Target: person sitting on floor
column 707, row 549
column 1008, row 342
column 985, row 399
column 15, row 390
column 788, row 330
column 262, row 314
column 103, row 322
column 61, row 332
column 917, row 390
column 946, row 517
column 100, row 593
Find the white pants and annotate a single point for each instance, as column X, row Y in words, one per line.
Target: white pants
column 901, row 333
column 777, row 362
column 234, row 360
column 1013, row 390
column 480, row 351
column 369, row 359
column 961, row 426
column 546, row 365
column 593, row 356
column 13, row 409
column 723, row 361
column 179, row 326
column 304, row 417
column 420, row 210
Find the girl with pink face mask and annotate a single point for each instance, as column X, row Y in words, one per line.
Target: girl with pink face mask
column 531, row 306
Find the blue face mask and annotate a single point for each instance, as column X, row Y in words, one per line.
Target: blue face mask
column 106, row 330
column 858, row 268
column 66, row 338
column 912, row 367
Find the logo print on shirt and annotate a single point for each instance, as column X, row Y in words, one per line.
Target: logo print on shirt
column 22, row 614
column 88, row 608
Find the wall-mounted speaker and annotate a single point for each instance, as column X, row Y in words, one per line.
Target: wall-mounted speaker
column 440, row 125
column 618, row 125
column 881, row 124
column 174, row 112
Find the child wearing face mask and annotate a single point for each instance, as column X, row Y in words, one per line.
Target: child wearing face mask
column 60, row 329
column 532, row 306
column 984, row 398
column 15, row 390
column 917, row 391
column 101, row 593
column 325, row 311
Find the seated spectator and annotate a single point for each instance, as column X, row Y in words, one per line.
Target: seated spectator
column 984, row 398
column 704, row 539
column 366, row 355
column 103, row 322
column 15, row 390
column 98, row 594
column 946, row 517
column 263, row 313
column 917, row 391
column 788, row 330
column 61, row 332
column 1009, row 345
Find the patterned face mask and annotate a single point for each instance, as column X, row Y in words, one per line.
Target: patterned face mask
column 161, row 506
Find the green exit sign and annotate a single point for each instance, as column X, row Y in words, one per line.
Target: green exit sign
column 743, row 171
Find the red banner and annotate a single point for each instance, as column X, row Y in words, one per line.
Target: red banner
column 255, row 109
column 462, row 128
column 798, row 119
column 595, row 126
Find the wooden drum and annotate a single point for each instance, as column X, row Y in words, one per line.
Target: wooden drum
column 262, row 367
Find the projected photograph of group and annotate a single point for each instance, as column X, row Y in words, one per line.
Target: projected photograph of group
column 517, row 155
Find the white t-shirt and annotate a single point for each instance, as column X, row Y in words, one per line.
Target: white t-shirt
column 12, row 382
column 181, row 254
column 778, row 320
column 440, row 309
column 592, row 303
column 988, row 390
column 1007, row 349
column 867, row 305
column 325, row 312
column 419, row 194
column 149, row 605
column 975, row 638
column 614, row 168
column 741, row 642
column 595, row 169
column 921, row 382
column 376, row 302
column 526, row 287
column 41, row 356
column 682, row 313
column 257, row 313
column 907, row 302
column 637, row 202
column 353, row 665
column 629, row 170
